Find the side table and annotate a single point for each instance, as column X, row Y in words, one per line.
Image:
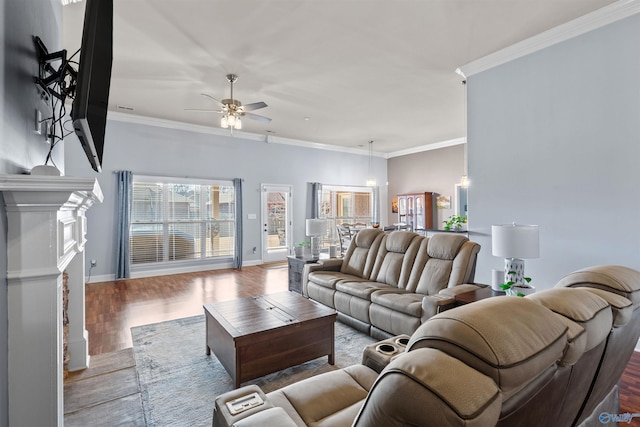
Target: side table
column 476, row 295
column 296, row 265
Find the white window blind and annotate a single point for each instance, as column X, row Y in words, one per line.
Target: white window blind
column 177, row 220
column 345, row 205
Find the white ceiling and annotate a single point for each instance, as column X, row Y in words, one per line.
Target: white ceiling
column 359, row 70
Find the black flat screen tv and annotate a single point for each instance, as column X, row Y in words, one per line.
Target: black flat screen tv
column 89, row 109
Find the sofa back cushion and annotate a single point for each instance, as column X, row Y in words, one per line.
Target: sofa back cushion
column 624, row 282
column 582, row 307
column 618, row 279
column 420, row 389
column 395, row 258
column 512, row 340
column 443, row 260
column 361, row 255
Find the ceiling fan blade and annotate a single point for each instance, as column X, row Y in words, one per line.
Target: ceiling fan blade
column 257, row 117
column 198, row 110
column 254, row 106
column 209, row 96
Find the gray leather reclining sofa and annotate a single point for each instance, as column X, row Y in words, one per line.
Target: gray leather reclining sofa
column 553, row 358
column 390, row 283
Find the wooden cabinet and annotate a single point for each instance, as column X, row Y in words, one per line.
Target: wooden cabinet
column 416, row 210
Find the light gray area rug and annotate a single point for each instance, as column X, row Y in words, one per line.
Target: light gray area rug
column 179, row 382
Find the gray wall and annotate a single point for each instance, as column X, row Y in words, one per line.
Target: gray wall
column 20, row 147
column 554, row 140
column 151, row 150
column 435, row 170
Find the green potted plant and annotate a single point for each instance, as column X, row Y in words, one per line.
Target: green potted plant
column 298, row 249
column 455, row 223
column 518, row 289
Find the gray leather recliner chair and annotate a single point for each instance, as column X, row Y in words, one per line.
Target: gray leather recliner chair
column 552, row 358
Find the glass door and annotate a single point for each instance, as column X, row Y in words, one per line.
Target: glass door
column 276, row 222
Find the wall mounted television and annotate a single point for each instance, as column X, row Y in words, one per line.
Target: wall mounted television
column 89, row 109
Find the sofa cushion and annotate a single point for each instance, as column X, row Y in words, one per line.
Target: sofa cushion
column 396, row 257
column 498, row 337
column 404, row 302
column 435, row 276
column 618, row 279
column 580, row 306
column 327, row 395
column 443, row 260
column 361, row 255
column 621, row 307
column 329, row 279
column 362, row 289
column 269, row 417
column 445, row 246
column 423, row 396
column 576, row 342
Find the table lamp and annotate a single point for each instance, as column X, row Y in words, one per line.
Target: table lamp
column 316, row 229
column 515, row 242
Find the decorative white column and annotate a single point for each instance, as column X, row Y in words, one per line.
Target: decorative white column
column 46, row 230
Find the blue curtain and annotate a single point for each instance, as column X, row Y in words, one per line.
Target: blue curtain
column 123, row 205
column 237, row 259
column 316, row 195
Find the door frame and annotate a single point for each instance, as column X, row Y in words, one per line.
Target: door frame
column 281, row 253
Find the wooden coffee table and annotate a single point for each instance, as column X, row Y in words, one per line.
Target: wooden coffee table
column 256, row 336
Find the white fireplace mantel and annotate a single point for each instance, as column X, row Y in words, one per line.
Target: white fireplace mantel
column 46, row 235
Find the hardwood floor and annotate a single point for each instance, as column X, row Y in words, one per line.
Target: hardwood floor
column 112, row 308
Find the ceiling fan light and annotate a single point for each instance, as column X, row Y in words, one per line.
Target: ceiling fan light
column 238, row 123
column 224, row 123
column 232, row 120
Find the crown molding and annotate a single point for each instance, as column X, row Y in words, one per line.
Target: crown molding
column 599, row 18
column 268, row 139
column 435, row 146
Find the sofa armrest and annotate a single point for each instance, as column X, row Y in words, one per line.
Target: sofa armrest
column 434, row 304
column 332, row 264
column 460, row 289
column 379, row 354
column 269, row 417
column 222, row 416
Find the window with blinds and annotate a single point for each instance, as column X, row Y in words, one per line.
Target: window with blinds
column 181, row 220
column 345, row 205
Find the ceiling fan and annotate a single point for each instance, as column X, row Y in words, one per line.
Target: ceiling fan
column 232, row 109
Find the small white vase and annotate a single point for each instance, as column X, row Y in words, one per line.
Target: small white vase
column 517, row 290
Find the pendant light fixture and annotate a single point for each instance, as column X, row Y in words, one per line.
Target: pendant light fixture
column 232, row 109
column 371, row 181
column 464, row 181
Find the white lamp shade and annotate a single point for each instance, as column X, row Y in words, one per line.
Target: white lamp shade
column 316, row 227
column 515, row 241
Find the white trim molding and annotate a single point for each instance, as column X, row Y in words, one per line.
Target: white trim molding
column 267, row 139
column 599, row 18
column 429, row 147
column 46, row 225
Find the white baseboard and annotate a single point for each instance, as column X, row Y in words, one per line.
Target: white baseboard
column 167, row 271
column 638, row 346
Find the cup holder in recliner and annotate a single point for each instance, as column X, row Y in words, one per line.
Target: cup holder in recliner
column 386, row 349
column 402, row 342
